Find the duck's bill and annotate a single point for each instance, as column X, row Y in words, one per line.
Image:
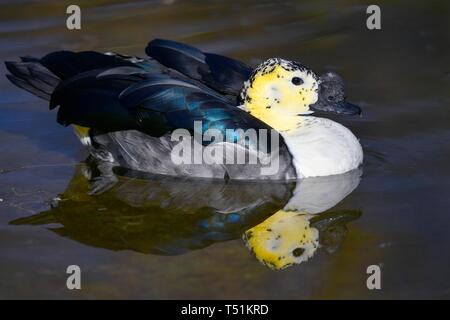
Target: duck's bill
column 342, row 108
column 332, row 97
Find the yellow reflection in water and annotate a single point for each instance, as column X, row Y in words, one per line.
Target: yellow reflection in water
column 284, row 239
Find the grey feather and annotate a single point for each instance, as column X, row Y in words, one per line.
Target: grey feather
column 138, row 151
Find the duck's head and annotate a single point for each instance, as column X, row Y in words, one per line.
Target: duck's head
column 279, row 91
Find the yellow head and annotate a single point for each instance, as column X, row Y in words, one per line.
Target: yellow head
column 278, row 91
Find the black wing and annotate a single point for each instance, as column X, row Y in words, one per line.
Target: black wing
column 126, row 98
column 223, row 74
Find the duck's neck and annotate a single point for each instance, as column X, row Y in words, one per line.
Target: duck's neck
column 282, row 121
column 319, row 146
column 292, row 125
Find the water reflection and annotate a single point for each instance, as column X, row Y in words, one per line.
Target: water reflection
column 294, row 233
column 281, row 223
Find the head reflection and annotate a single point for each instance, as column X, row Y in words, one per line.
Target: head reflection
column 293, row 234
column 170, row 216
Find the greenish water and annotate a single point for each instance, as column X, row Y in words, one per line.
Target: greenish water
column 180, row 239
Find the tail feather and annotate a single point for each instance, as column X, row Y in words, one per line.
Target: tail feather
column 25, row 85
column 42, row 76
column 32, row 76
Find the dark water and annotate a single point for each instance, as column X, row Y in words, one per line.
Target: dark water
column 178, row 239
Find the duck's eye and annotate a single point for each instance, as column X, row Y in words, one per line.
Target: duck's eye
column 330, row 98
column 298, row 252
column 297, row 81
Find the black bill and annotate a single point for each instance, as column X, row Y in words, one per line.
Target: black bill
column 332, row 96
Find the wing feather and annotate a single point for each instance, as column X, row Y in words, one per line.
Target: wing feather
column 126, row 99
column 221, row 73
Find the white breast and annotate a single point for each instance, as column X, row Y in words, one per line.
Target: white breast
column 321, row 147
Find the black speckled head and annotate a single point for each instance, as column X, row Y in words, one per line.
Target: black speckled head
column 299, row 73
column 278, row 91
column 332, row 96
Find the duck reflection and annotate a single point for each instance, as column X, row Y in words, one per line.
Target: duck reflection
column 281, row 223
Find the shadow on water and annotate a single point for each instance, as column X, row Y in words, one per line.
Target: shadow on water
column 282, row 223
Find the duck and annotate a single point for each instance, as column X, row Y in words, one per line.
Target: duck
column 125, row 110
